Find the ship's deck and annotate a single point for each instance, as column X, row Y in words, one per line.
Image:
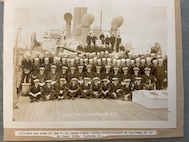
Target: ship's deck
column 85, row 110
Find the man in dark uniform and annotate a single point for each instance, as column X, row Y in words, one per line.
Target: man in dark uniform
column 26, row 67
column 47, row 65
column 112, row 41
column 107, row 41
column 94, row 38
column 35, row 91
column 72, row 73
column 38, row 57
column 64, row 73
column 118, row 43
column 149, row 64
column 64, row 63
column 80, row 74
column 142, row 65
column 89, row 39
column 138, row 85
column 86, row 88
column 148, row 79
column 161, row 75
column 58, row 64
column 102, row 38
column 41, row 76
column 35, row 69
column 62, row 89
column 115, row 88
column 136, row 74
column 105, row 93
column 73, row 89
column 53, row 75
column 122, row 48
column 125, row 74
column 48, row 91
column 116, row 74
column 88, row 72
column 107, row 74
column 96, row 87
column 130, row 68
column 126, row 90
column 98, row 72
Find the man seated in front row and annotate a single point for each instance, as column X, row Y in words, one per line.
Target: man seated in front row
column 48, row 91
column 73, row 89
column 115, row 88
column 105, row 93
column 126, row 90
column 96, row 87
column 62, row 89
column 35, row 91
column 86, row 88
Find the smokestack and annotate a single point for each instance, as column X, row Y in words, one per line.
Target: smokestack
column 77, row 32
column 79, row 12
column 68, row 19
column 87, row 20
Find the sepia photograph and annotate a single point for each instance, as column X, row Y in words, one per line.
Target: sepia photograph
column 81, row 65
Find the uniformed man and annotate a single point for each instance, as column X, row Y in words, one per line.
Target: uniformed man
column 148, row 79
column 115, row 88
column 126, row 90
column 105, row 93
column 64, row 63
column 118, row 43
column 89, row 39
column 41, row 76
column 96, row 87
column 112, row 41
column 86, row 88
column 80, row 74
column 107, row 40
column 136, row 74
column 48, row 91
column 53, row 75
column 62, row 89
column 128, row 64
column 102, row 38
column 88, row 72
column 47, row 66
column 72, row 73
column 58, row 64
column 116, row 74
column 161, row 75
column 38, row 57
column 138, row 85
column 35, row 69
column 125, row 74
column 35, row 91
column 142, row 65
column 98, row 72
column 73, row 89
column 64, row 73
column 107, row 74
column 94, row 38
column 149, row 64
column 26, row 66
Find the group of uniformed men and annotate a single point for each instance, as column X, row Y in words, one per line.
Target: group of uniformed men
column 92, row 75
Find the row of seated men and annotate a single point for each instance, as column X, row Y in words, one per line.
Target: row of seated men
column 153, row 70
column 88, row 88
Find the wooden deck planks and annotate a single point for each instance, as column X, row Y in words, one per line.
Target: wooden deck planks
column 86, row 110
